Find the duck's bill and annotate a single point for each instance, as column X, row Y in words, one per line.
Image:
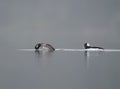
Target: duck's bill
column 107, row 50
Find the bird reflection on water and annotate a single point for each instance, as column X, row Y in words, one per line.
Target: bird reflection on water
column 88, row 55
column 39, row 54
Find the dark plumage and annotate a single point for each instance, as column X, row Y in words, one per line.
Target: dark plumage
column 37, row 46
column 87, row 46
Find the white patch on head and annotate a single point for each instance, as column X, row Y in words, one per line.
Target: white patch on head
column 88, row 44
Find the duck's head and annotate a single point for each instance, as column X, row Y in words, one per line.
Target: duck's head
column 86, row 45
column 37, row 46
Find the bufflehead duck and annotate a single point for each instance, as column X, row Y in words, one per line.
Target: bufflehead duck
column 44, row 46
column 87, row 46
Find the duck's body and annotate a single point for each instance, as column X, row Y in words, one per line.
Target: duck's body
column 45, row 46
column 87, row 46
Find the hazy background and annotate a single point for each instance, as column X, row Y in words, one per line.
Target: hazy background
column 64, row 24
column 26, row 22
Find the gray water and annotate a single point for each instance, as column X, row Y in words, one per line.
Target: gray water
column 64, row 24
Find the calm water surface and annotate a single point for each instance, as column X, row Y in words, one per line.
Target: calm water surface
column 60, row 70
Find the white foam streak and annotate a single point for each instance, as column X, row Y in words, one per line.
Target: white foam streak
column 61, row 49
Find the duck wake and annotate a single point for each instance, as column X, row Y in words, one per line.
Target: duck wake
column 77, row 50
